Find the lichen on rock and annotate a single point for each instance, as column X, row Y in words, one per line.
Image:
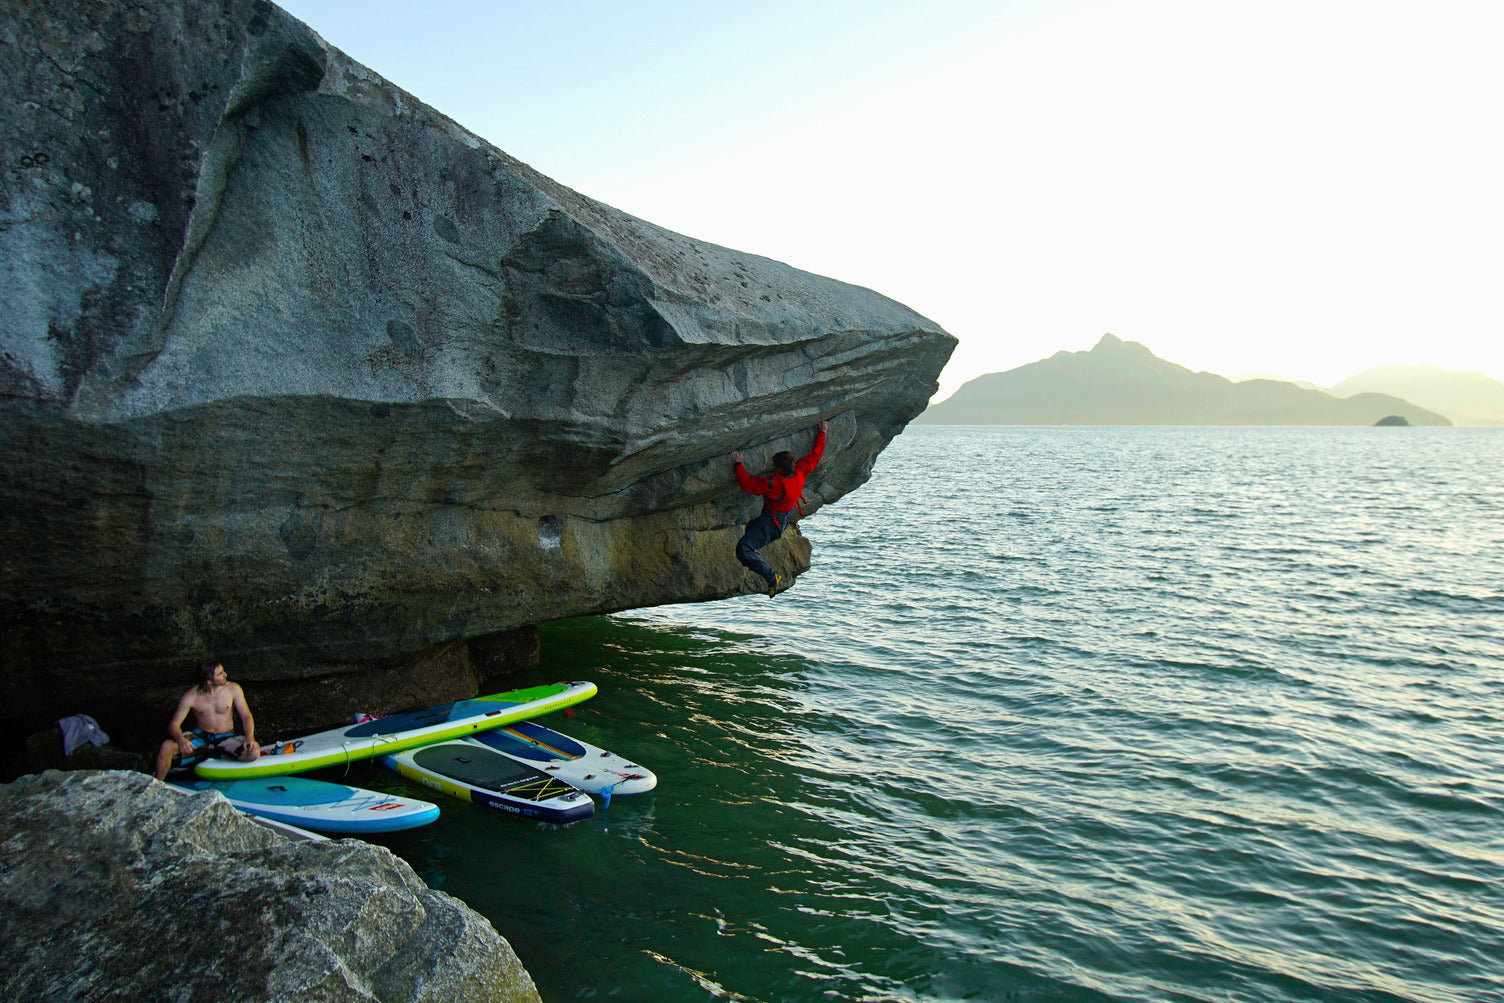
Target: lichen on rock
column 117, row 887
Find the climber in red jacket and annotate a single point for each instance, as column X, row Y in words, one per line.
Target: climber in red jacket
column 780, row 492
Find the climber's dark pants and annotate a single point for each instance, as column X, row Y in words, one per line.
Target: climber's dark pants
column 761, row 531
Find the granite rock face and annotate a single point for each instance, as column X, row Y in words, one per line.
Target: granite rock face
column 298, row 371
column 117, row 887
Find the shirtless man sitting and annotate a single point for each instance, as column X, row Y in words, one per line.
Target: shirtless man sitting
column 212, row 702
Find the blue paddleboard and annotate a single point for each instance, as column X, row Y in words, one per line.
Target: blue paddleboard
column 320, row 806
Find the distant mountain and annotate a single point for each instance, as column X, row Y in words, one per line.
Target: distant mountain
column 1245, row 377
column 1123, row 383
column 1465, row 398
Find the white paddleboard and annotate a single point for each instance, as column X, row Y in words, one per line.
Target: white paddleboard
column 383, row 735
column 577, row 763
column 285, row 829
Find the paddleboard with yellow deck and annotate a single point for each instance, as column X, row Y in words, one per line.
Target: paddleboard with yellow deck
column 474, row 773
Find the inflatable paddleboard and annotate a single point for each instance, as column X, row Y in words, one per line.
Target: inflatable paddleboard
column 393, row 733
column 280, row 828
column 320, row 806
column 290, row 831
column 483, row 776
column 577, row 763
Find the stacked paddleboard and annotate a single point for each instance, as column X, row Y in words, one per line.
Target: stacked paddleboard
column 474, row 773
column 484, row 750
column 577, row 763
column 523, row 769
column 385, row 735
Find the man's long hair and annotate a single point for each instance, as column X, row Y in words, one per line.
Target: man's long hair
column 206, row 674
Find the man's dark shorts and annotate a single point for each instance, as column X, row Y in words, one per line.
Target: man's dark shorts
column 212, row 745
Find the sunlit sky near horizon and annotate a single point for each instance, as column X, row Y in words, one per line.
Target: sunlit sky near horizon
column 1299, row 187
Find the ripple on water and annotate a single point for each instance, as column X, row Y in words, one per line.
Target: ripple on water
column 1118, row 714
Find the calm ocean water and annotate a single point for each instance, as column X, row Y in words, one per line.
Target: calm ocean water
column 1059, row 714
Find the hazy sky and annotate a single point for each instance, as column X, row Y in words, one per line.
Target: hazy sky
column 1302, row 187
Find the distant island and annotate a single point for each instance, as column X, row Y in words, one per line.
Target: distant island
column 1464, row 398
column 1123, row 383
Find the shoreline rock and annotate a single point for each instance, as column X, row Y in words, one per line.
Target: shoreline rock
column 115, row 886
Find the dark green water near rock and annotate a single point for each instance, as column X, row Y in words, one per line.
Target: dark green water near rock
column 1060, row 714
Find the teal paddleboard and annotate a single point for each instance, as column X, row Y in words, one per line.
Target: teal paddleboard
column 320, row 806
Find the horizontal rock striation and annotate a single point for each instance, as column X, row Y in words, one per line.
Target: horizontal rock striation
column 117, row 887
column 298, row 371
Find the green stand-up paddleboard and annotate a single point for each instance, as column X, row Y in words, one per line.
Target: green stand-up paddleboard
column 383, row 735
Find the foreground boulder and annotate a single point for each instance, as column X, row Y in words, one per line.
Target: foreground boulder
column 298, row 371
column 117, row 887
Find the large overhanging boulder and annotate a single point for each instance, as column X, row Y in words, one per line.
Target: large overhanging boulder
column 299, row 371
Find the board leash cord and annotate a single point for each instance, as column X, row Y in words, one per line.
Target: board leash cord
column 382, row 739
column 538, row 743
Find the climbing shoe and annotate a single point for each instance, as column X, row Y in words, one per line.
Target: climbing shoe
column 773, row 585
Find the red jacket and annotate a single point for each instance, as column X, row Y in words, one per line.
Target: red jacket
column 780, row 493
